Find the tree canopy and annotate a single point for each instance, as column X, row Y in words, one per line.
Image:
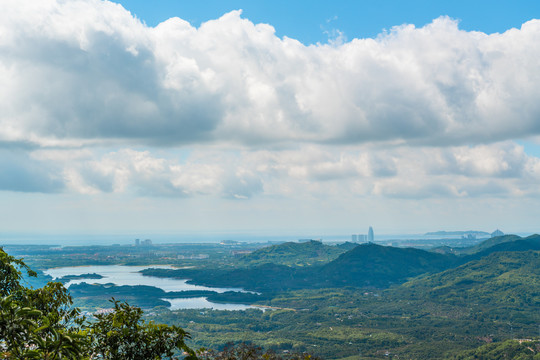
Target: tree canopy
column 42, row 324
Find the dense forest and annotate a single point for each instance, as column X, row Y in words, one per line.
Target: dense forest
column 352, row 301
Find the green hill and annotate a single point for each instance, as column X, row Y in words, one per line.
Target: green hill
column 509, row 349
column 501, row 278
column 380, row 266
column 487, row 244
column 521, row 244
column 293, row 254
column 366, row 265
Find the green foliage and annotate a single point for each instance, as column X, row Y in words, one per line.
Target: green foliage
column 325, row 310
column 366, row 265
column 380, row 266
column 510, row 349
column 486, row 244
column 511, row 244
column 262, row 278
column 41, row 324
column 245, row 351
column 122, row 334
column 434, row 316
column 35, row 324
column 501, row 278
column 293, row 254
column 67, row 278
column 98, row 295
column 10, row 275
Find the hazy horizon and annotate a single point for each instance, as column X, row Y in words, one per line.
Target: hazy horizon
column 63, row 239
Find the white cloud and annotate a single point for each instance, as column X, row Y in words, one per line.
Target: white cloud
column 95, row 102
column 499, row 170
column 86, row 70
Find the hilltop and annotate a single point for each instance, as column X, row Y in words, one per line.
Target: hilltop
column 505, row 243
column 380, row 266
column 293, row 254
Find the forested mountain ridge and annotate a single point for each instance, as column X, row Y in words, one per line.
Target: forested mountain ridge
column 293, row 254
column 511, row 243
column 365, row 265
column 380, row 266
column 486, row 244
column 510, row 278
column 433, row 316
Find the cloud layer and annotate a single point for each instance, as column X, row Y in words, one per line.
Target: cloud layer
column 86, row 71
column 503, row 171
column 95, row 102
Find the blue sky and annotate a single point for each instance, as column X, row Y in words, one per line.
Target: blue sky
column 190, row 117
column 309, row 21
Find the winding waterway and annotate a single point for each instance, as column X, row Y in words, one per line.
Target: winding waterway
column 130, row 275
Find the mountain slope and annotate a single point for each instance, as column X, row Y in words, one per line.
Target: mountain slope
column 511, row 278
column 521, row 244
column 381, row 266
column 488, row 243
column 366, row 265
column 293, row 254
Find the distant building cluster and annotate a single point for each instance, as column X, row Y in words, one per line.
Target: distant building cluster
column 360, row 238
column 145, row 242
column 229, row 242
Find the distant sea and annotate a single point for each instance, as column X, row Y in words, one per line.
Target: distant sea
column 187, row 238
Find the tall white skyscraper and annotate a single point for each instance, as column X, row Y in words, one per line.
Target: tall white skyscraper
column 370, row 235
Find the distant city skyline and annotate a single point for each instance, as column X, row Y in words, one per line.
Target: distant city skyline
column 137, row 117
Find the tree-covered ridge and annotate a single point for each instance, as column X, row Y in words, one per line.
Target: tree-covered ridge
column 511, row 278
column 368, row 265
column 262, row 278
column 510, row 243
column 525, row 349
column 486, row 244
column 433, row 316
column 380, row 266
column 293, row 254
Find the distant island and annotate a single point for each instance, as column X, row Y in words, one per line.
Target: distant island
column 457, row 233
column 82, row 276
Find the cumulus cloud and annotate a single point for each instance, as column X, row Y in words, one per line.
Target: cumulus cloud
column 95, row 102
column 87, row 71
column 500, row 170
column 142, row 173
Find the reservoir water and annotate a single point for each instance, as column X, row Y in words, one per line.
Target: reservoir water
column 130, row 275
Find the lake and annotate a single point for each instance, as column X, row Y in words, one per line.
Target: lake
column 130, row 275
